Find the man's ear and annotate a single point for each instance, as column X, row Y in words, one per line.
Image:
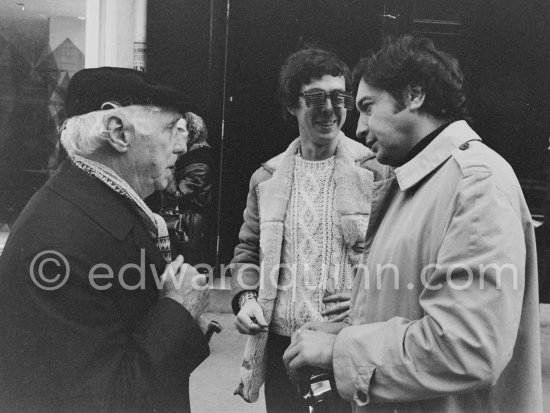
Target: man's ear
column 292, row 111
column 117, row 136
column 416, row 96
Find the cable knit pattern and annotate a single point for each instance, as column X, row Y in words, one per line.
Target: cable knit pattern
column 315, row 261
column 351, row 202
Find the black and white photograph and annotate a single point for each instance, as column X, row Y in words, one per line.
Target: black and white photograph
column 281, row 206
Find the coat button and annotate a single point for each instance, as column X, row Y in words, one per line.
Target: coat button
column 464, row 146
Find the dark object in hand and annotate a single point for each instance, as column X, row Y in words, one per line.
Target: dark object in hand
column 213, row 327
column 319, row 391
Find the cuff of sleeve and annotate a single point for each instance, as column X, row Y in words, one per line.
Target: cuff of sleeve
column 167, row 329
column 362, row 384
column 245, row 296
column 352, row 381
column 235, row 304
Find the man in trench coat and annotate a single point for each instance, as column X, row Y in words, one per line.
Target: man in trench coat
column 444, row 312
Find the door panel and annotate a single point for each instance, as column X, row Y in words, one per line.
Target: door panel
column 262, row 34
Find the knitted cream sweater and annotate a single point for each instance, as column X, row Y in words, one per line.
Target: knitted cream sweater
column 315, row 262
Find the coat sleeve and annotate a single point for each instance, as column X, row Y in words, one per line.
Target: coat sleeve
column 245, row 269
column 195, row 187
column 116, row 365
column 471, row 298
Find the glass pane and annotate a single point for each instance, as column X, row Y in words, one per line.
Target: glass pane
column 41, row 47
column 437, row 11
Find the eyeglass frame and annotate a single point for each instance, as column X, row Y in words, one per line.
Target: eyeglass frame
column 348, row 100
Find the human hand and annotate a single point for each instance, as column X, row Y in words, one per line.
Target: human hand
column 184, row 284
column 308, row 348
column 342, row 306
column 250, row 320
column 203, row 323
column 324, row 327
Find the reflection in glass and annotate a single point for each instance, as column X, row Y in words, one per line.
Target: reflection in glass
column 40, row 49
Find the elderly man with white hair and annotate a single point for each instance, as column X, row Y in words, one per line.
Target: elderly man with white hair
column 95, row 316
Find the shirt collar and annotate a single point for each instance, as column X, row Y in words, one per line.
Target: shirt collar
column 436, row 153
column 424, row 142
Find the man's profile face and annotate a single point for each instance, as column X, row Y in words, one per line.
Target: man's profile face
column 181, row 128
column 320, row 125
column 156, row 146
column 384, row 124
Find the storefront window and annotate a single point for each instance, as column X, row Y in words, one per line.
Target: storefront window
column 42, row 45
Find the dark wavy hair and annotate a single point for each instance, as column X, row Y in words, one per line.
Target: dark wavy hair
column 302, row 68
column 410, row 60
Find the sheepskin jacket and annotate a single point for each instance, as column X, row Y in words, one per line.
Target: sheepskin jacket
column 257, row 259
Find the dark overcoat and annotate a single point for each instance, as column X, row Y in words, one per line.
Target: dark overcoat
column 102, row 341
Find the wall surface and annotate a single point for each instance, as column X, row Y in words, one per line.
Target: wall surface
column 109, row 32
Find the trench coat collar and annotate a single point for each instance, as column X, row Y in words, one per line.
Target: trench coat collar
column 453, row 137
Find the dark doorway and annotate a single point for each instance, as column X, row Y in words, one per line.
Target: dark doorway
column 262, row 33
column 503, row 47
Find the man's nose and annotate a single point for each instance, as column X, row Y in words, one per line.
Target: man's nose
column 362, row 128
column 328, row 104
column 181, row 145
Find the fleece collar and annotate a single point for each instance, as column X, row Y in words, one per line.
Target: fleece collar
column 353, row 183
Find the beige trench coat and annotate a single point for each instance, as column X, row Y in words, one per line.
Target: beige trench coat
column 445, row 311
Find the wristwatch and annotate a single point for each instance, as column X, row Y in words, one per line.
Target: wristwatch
column 245, row 296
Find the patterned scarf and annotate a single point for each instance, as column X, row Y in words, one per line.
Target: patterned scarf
column 155, row 223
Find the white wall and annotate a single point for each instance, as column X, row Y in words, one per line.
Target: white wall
column 109, row 33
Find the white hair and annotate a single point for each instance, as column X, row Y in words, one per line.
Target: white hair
column 83, row 135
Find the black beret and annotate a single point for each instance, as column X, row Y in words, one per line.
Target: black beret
column 89, row 89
